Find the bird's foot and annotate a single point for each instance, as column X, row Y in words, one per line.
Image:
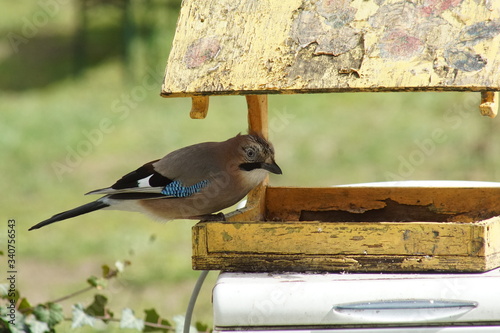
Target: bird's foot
column 212, row 217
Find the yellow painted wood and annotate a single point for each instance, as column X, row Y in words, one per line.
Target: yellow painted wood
column 257, row 124
column 326, row 238
column 489, row 103
column 199, row 107
column 492, row 237
column 348, row 263
column 366, row 203
column 299, row 46
column 257, row 115
column 255, row 207
column 368, row 246
column 357, row 229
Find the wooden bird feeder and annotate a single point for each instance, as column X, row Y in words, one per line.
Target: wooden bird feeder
column 255, row 48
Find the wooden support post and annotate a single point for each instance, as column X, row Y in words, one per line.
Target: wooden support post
column 257, row 114
column 199, row 107
column 257, row 124
column 489, row 103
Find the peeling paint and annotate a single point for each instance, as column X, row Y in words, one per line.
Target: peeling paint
column 201, row 51
column 226, row 237
column 334, row 45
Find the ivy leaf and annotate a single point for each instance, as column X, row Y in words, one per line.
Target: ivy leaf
column 24, row 305
column 8, row 294
column 80, row 318
column 105, row 271
column 97, row 282
column 19, row 325
column 41, row 313
column 128, row 320
column 4, row 290
column 201, row 327
column 98, row 308
column 36, row 326
column 56, row 314
column 154, row 318
column 52, row 314
column 179, row 325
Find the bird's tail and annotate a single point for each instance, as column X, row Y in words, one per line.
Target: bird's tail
column 87, row 208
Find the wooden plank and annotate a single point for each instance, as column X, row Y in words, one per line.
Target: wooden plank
column 382, row 203
column 348, row 263
column 301, row 246
column 298, row 46
column 328, row 238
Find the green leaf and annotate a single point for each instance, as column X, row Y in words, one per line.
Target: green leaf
column 201, row 327
column 98, row 308
column 105, row 271
column 56, row 314
column 36, row 326
column 52, row 314
column 24, row 305
column 19, row 323
column 96, row 282
column 7, row 293
column 128, row 320
column 154, row 318
column 4, row 290
column 80, row 318
column 42, row 313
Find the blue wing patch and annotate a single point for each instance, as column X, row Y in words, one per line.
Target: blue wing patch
column 176, row 189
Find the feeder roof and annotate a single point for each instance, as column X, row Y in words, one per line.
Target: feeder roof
column 227, row 47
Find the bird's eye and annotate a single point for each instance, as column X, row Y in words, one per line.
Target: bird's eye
column 251, row 153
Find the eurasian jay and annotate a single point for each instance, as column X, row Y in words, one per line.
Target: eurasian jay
column 190, row 183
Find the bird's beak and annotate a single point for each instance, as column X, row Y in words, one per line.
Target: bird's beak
column 272, row 167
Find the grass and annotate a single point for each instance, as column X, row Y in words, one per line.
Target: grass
column 320, row 140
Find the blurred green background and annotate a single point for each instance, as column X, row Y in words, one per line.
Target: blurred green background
column 80, row 107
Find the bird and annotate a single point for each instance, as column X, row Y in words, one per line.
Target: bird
column 193, row 182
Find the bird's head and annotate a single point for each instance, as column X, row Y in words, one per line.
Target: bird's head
column 257, row 153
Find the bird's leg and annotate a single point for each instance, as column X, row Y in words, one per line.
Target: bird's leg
column 211, row 217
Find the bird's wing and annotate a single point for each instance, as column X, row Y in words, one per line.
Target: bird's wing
column 147, row 183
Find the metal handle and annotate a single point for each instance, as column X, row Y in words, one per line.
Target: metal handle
column 411, row 310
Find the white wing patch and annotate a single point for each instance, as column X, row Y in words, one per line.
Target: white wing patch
column 144, row 182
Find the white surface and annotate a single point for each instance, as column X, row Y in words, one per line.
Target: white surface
column 475, row 329
column 294, row 300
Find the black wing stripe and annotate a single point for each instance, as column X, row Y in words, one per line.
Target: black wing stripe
column 130, row 180
column 136, row 196
column 158, row 180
